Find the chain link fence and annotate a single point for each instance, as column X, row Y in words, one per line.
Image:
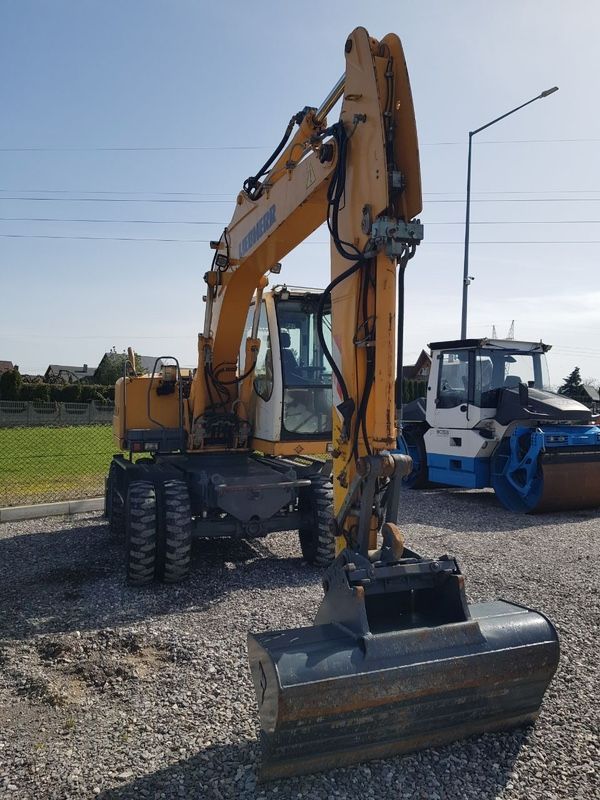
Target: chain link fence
column 53, row 451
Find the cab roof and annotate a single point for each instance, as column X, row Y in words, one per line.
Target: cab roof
column 492, row 344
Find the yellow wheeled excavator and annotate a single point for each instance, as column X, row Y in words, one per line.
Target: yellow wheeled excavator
column 396, row 660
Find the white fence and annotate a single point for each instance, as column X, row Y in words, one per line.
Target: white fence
column 31, row 413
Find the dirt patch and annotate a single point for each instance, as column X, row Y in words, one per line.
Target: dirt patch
column 63, row 670
column 43, row 689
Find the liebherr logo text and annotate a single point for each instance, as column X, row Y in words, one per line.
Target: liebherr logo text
column 258, row 231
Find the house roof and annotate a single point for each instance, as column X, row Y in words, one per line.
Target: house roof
column 411, row 370
column 5, row 366
column 78, row 372
column 147, row 362
column 592, row 392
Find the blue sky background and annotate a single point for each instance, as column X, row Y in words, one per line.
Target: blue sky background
column 121, row 109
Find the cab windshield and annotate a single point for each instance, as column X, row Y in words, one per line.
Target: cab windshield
column 499, row 369
column 307, row 398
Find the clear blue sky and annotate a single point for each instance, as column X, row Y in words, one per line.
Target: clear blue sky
column 214, row 84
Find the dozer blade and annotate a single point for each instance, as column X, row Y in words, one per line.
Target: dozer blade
column 395, row 662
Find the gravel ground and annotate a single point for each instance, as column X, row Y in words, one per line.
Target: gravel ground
column 111, row 692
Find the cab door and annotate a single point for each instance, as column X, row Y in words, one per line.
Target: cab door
column 451, row 398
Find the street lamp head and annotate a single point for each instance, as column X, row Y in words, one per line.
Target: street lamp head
column 549, row 91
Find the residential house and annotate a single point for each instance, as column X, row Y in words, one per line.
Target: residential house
column 419, row 371
column 61, row 373
column 6, row 366
column 147, row 363
column 592, row 398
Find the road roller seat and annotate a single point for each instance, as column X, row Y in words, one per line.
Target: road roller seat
column 512, row 382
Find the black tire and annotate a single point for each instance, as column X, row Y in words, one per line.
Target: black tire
column 114, row 507
column 418, row 478
column 317, row 542
column 176, row 551
column 141, row 530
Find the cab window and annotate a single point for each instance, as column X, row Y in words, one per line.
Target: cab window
column 501, row 369
column 263, row 371
column 307, row 395
column 453, row 387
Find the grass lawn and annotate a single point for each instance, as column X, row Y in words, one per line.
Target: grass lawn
column 42, row 464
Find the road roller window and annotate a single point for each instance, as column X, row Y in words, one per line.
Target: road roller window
column 454, row 379
column 496, row 370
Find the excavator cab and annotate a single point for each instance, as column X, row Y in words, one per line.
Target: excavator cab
column 292, row 391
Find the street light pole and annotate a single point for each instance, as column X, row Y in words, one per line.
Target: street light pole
column 466, row 277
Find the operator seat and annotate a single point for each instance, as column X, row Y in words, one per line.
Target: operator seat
column 288, row 359
column 512, row 382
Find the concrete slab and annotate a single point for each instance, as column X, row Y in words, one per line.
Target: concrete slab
column 15, row 513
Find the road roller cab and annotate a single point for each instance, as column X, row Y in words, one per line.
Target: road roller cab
column 489, row 419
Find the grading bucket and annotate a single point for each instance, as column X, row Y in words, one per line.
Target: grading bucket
column 396, row 661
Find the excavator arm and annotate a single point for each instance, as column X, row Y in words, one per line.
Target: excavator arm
column 396, row 659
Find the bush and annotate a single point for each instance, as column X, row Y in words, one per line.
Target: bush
column 412, row 390
column 62, row 393
column 91, row 392
column 35, row 391
column 10, row 382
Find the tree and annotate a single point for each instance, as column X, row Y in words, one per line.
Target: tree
column 111, row 367
column 573, row 386
column 10, row 383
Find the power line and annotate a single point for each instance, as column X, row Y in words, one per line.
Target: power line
column 511, row 141
column 119, row 191
column 112, row 200
column 230, row 202
column 126, row 149
column 501, row 191
column 577, row 350
column 128, row 221
column 99, row 238
column 205, row 241
column 522, row 222
column 217, row 224
column 524, row 200
column 211, row 148
column 114, row 335
column 232, row 193
column 525, row 241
